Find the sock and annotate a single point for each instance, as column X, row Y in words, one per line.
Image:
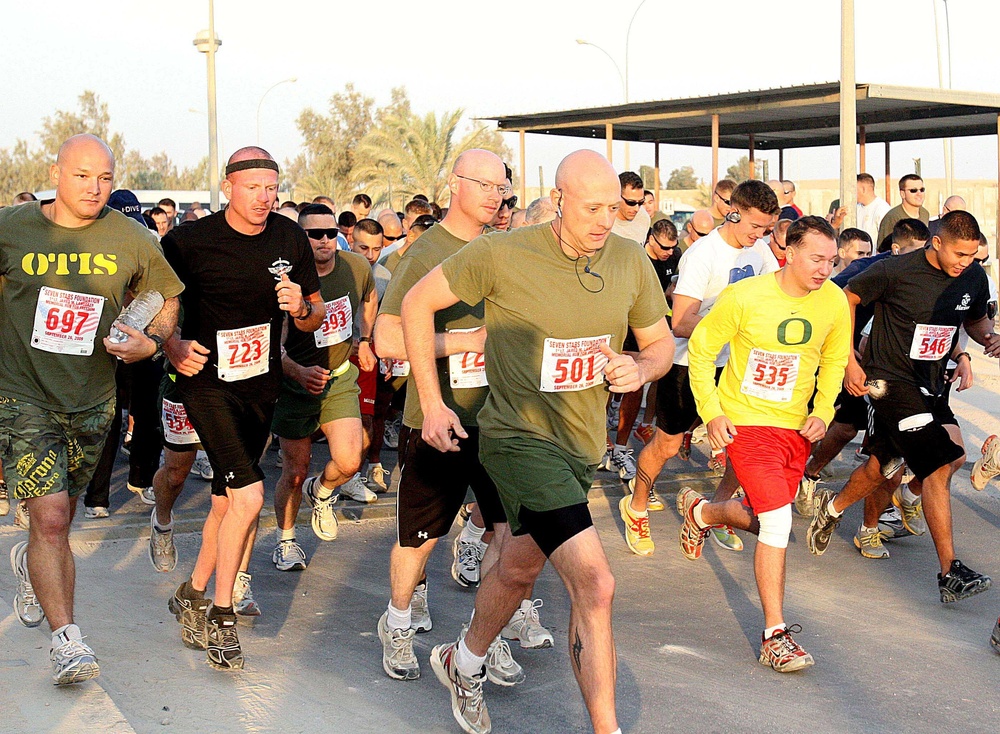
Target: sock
column 697, row 515
column 284, row 535
column 467, row 663
column 831, row 510
column 810, row 476
column 617, row 731
column 771, row 630
column 866, row 529
column 66, row 632
column 321, row 490
column 216, row 612
column 163, row 528
column 398, row 619
column 620, row 447
column 188, row 591
column 907, row 494
column 471, row 533
column 716, row 452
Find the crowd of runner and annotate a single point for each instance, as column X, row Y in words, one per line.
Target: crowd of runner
column 503, row 350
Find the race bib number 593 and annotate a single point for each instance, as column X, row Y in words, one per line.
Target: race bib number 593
column 243, row 353
column 569, row 365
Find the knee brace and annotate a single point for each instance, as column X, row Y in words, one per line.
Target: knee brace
column 775, row 527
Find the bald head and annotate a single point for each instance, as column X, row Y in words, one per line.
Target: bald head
column 84, row 145
column 779, row 190
column 587, row 197
column 249, row 153
column 699, row 225
column 82, row 174
column 954, row 204
column 586, row 165
column 484, row 162
column 392, row 228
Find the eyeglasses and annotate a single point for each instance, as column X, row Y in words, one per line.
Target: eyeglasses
column 509, row 203
column 787, row 192
column 724, row 201
column 695, row 231
column 630, row 202
column 486, row 187
column 317, row 234
column 665, row 248
column 913, row 191
column 392, row 239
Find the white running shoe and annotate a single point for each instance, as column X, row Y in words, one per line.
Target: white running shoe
column 621, row 461
column 525, row 627
column 465, row 563
column 398, row 659
column 94, row 513
column 804, row 496
column 355, row 489
column 145, row 493
column 26, row 605
column 21, row 518
column 501, row 667
column 988, row 465
column 289, row 556
column 72, row 660
column 243, row 602
column 162, row 552
column 420, row 613
column 324, row 517
column 202, row 467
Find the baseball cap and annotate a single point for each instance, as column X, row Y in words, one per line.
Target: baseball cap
column 126, row 202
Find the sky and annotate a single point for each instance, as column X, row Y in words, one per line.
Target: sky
column 489, row 59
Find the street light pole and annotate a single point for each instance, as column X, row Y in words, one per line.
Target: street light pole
column 290, row 80
column 207, row 43
column 623, row 81
column 949, row 149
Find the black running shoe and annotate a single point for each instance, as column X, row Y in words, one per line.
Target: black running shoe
column 224, row 652
column 961, row 582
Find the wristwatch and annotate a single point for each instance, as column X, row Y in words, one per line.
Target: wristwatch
column 308, row 313
column 365, row 339
column 159, row 345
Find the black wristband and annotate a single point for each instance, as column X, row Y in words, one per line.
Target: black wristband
column 959, row 355
column 309, row 310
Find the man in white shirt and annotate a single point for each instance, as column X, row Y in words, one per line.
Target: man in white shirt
column 871, row 208
column 632, row 221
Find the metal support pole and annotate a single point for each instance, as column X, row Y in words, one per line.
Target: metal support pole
column 609, row 136
column 861, row 151
column 752, row 171
column 715, row 151
column 656, row 175
column 888, row 186
column 781, row 164
column 848, row 116
column 213, row 134
column 524, row 173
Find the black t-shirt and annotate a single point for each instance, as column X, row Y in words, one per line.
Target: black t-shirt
column 918, row 310
column 665, row 270
column 863, row 313
column 229, row 290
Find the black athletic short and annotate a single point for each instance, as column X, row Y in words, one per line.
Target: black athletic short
column 905, row 422
column 676, row 411
column 851, row 410
column 433, row 486
column 233, row 432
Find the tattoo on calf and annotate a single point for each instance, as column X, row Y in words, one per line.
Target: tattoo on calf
column 577, row 649
column 642, row 480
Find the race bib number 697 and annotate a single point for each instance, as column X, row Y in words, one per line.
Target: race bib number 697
column 569, row 365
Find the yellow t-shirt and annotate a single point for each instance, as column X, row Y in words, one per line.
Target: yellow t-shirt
column 777, row 343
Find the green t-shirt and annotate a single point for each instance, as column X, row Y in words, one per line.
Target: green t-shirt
column 391, row 260
column 60, row 290
column 343, row 289
column 893, row 217
column 428, row 251
column 536, row 297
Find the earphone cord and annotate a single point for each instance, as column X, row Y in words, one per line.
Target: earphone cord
column 576, row 263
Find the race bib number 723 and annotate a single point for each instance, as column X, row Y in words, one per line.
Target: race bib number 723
column 243, row 353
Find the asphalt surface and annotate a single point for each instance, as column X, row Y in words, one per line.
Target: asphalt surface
column 889, row 655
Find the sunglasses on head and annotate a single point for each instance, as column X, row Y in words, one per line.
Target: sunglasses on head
column 390, row 238
column 509, row 203
column 913, row 191
column 317, row 234
column 630, row 202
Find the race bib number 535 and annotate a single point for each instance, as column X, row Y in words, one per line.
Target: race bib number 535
column 770, row 375
column 569, row 365
column 243, row 353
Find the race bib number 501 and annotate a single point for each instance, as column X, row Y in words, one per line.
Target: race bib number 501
column 243, row 353
column 569, row 365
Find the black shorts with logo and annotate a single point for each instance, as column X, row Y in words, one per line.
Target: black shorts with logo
column 433, row 485
column 676, row 410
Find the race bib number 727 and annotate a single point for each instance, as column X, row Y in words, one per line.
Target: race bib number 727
column 569, row 365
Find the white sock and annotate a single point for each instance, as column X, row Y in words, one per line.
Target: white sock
column 907, row 494
column 866, row 529
column 163, row 528
column 771, row 630
column 398, row 619
column 284, row 535
column 830, row 508
column 468, row 664
column 471, row 533
column 67, row 631
column 620, row 447
column 322, row 492
column 697, row 515
column 617, row 731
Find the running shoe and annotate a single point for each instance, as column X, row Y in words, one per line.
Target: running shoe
column 621, row 461
column 653, row 502
column 191, row 614
column 501, row 667
column 289, row 556
column 467, row 703
column 127, row 443
column 377, row 479
column 202, row 467
column 869, row 542
column 26, row 605
column 684, row 452
column 995, row 637
column 463, row 514
column 355, row 489
column 692, row 538
column 390, row 436
column 893, row 465
column 96, row 513
column 822, row 525
column 717, row 464
column 645, row 432
column 21, row 518
column 144, row 493
column 636, row 529
column 890, row 525
column 244, row 604
column 783, row 653
column 398, row 659
column 4, row 499
column 526, row 628
column 699, row 434
column 324, row 517
column 805, row 496
column 279, row 460
column 725, row 537
column 911, row 513
column 223, row 643
column 72, row 660
column 961, row 582
column 465, row 562
column 162, row 551
column 987, row 466
column 420, row 613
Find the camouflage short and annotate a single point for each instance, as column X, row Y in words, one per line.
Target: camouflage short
column 45, row 452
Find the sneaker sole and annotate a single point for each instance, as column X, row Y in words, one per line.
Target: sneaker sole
column 509, row 634
column 228, row 667
column 790, row 667
column 504, row 682
column 735, row 548
column 290, row 567
column 949, row 597
column 869, row 554
column 442, row 675
column 87, row 671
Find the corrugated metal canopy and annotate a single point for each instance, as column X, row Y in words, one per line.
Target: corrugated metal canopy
column 787, row 117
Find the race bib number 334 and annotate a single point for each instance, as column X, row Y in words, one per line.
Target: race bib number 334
column 569, row 365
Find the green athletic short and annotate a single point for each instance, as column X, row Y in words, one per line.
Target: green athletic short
column 45, row 452
column 298, row 414
column 534, row 474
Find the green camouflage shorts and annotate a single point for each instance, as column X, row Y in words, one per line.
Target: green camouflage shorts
column 45, row 452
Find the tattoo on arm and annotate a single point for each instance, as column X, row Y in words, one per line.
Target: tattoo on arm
column 164, row 323
column 577, row 650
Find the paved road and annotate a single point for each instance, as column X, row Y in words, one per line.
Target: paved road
column 890, row 656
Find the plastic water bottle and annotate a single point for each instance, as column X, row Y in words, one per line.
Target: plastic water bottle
column 137, row 314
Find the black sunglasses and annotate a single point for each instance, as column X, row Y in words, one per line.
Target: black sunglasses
column 665, row 248
column 509, row 203
column 913, row 191
column 724, row 200
column 695, row 231
column 630, row 202
column 393, row 239
column 317, row 234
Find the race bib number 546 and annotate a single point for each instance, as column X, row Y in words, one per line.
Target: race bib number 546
column 931, row 342
column 569, row 365
column 243, row 353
